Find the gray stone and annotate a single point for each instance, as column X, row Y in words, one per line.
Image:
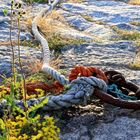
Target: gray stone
column 25, row 36
column 117, row 129
column 96, row 121
column 111, row 12
column 125, row 26
column 79, row 23
column 101, row 31
column 27, row 55
column 115, row 55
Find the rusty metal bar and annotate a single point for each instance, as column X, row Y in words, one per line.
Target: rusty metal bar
column 117, row 101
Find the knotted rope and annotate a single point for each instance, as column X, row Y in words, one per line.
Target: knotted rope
column 80, row 92
column 81, row 89
column 86, row 71
column 78, row 71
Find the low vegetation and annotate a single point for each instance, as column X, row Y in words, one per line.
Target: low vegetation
column 91, row 19
column 134, row 2
column 39, row 1
column 128, row 35
column 136, row 23
column 51, row 27
column 134, row 65
column 132, row 36
column 75, row 1
column 26, row 123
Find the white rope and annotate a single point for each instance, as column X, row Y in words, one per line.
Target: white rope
column 80, row 90
column 46, row 52
column 55, row 74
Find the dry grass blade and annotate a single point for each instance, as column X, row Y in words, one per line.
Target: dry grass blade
column 134, row 2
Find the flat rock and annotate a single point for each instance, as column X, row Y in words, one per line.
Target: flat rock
column 79, row 23
column 109, row 12
column 105, row 131
column 97, row 120
column 5, row 51
column 5, row 25
column 115, row 130
column 28, row 56
column 115, row 55
column 127, row 26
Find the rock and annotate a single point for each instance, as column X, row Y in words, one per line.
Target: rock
column 125, row 26
column 101, row 31
column 96, row 121
column 5, row 24
column 75, row 135
column 110, row 12
column 74, row 34
column 113, row 123
column 28, row 56
column 115, row 55
column 5, row 51
column 25, row 36
column 100, row 16
column 117, row 129
column 79, row 23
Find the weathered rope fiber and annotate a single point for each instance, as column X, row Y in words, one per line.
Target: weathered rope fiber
column 46, row 52
column 87, row 71
column 63, row 80
column 113, row 90
column 80, row 89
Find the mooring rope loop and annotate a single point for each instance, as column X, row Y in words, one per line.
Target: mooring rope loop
column 83, row 82
column 80, row 92
column 81, row 89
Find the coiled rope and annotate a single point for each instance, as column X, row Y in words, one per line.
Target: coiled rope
column 80, row 92
column 82, row 88
column 87, row 72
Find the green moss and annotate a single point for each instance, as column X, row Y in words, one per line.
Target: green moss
column 127, row 35
column 42, row 77
column 90, row 19
column 137, row 42
column 134, row 66
column 63, row 71
column 57, row 42
column 136, row 23
column 30, row 43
